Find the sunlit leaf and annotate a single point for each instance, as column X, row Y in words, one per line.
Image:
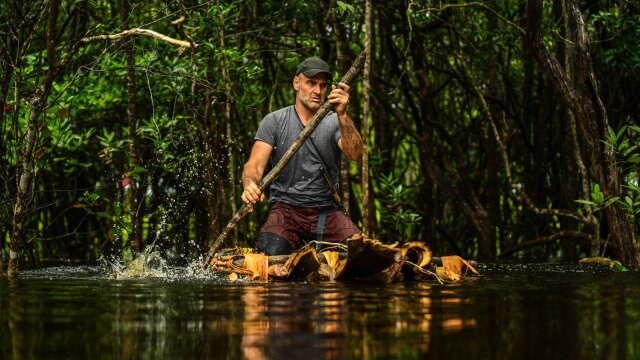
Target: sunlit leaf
column 612, row 264
column 457, row 265
column 335, row 266
column 447, row 274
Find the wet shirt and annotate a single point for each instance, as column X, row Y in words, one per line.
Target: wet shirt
column 301, row 183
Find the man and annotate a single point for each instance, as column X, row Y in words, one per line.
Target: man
column 301, row 204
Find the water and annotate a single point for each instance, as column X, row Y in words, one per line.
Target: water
column 511, row 312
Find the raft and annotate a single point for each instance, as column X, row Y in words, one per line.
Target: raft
column 360, row 259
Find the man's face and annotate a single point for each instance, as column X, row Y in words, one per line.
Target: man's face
column 310, row 90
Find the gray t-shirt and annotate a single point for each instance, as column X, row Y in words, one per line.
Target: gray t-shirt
column 301, row 183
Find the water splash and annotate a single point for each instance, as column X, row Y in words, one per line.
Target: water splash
column 149, row 264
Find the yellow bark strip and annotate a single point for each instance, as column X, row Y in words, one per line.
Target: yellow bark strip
column 258, row 264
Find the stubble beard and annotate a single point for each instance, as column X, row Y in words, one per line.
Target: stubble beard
column 310, row 105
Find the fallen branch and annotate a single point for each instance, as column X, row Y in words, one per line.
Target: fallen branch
column 140, row 32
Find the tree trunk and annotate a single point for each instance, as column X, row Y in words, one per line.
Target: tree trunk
column 25, row 173
column 214, row 190
column 576, row 153
column 583, row 99
column 4, row 195
column 227, row 117
column 135, row 200
column 366, row 208
column 342, row 56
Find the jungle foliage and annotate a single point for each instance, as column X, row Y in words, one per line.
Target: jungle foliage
column 498, row 128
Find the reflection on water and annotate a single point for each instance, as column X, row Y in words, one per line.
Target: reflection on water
column 510, row 312
column 303, row 323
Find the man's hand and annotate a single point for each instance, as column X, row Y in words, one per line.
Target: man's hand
column 339, row 97
column 252, row 194
column 253, row 170
column 350, row 141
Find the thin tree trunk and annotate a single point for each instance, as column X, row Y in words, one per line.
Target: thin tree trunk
column 4, row 175
column 575, row 143
column 135, row 201
column 211, row 177
column 26, row 172
column 492, row 200
column 343, row 65
column 366, row 209
column 227, row 117
column 4, row 89
column 366, row 203
column 586, row 105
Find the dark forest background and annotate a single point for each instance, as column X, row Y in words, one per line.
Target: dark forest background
column 496, row 130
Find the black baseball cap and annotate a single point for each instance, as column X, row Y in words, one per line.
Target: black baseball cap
column 312, row 66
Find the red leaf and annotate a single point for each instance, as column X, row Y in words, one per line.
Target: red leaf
column 126, row 181
column 63, row 113
column 40, row 151
column 7, row 107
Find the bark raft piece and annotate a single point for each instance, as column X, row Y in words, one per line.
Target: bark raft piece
column 250, row 266
column 365, row 260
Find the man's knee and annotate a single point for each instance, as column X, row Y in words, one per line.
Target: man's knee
column 272, row 244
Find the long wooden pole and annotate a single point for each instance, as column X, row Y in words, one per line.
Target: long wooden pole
column 273, row 174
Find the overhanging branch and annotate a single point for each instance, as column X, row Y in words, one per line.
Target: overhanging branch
column 476, row 4
column 140, row 32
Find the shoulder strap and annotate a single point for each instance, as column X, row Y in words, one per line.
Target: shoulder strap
column 322, row 218
column 325, row 173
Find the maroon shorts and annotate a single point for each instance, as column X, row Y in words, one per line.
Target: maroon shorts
column 295, row 224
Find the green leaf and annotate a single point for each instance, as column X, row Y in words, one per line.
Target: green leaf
column 617, row 266
column 620, row 132
column 613, row 138
column 344, row 7
column 611, row 200
column 597, row 197
column 117, row 209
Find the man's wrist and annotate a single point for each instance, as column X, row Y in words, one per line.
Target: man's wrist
column 249, row 182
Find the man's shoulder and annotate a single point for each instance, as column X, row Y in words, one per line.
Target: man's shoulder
column 276, row 118
column 282, row 112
